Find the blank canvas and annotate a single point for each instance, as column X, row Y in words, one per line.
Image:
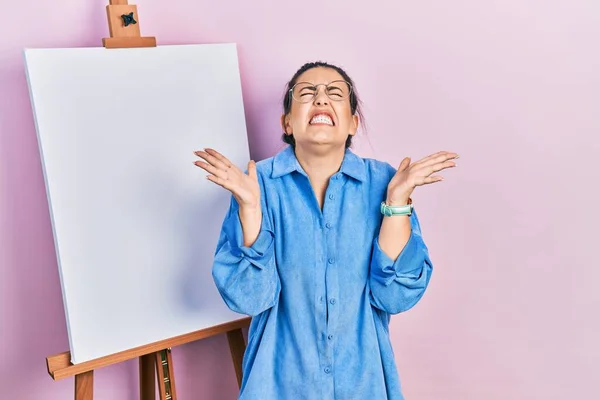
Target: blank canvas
column 135, row 223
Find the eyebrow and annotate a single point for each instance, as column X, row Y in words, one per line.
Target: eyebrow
column 309, row 86
column 335, row 83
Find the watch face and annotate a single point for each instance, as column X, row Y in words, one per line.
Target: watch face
column 400, row 211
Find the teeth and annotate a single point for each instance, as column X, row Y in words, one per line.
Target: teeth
column 321, row 119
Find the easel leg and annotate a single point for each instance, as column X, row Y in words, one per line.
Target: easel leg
column 84, row 386
column 147, row 380
column 164, row 373
column 237, row 345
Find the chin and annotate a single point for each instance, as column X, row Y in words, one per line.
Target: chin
column 321, row 137
column 321, row 143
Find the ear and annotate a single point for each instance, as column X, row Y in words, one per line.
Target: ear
column 285, row 124
column 354, row 126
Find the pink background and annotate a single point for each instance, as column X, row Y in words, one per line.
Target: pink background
column 512, row 85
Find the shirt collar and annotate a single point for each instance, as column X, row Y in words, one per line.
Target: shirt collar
column 285, row 162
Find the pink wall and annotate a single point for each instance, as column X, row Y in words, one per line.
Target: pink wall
column 512, row 85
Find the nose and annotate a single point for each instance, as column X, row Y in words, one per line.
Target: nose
column 321, row 97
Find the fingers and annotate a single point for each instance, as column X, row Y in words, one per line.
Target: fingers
column 404, row 164
column 422, row 171
column 432, row 179
column 221, row 182
column 214, row 158
column 435, row 163
column 212, row 170
column 424, row 160
column 219, row 157
column 222, row 172
column 429, row 180
column 425, row 172
column 439, row 157
column 441, row 166
column 218, row 166
column 252, row 170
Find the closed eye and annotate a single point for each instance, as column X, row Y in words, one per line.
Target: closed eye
column 310, row 90
column 335, row 91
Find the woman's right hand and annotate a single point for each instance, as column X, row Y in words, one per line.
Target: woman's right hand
column 245, row 188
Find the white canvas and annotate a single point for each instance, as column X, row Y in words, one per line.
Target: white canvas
column 135, row 222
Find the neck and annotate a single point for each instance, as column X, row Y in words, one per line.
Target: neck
column 320, row 165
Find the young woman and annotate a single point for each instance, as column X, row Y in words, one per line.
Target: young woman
column 320, row 247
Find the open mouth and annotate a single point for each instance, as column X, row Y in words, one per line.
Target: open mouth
column 321, row 119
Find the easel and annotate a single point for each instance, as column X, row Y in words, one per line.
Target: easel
column 124, row 27
column 155, row 358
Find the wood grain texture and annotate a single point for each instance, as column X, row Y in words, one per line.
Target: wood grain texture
column 171, row 374
column 160, row 376
column 165, row 375
column 116, row 27
column 60, row 367
column 84, row 386
column 116, row 43
column 147, row 377
column 237, row 346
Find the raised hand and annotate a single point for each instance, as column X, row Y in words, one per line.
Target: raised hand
column 409, row 176
column 244, row 187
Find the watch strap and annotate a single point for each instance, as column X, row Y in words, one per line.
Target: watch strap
column 390, row 211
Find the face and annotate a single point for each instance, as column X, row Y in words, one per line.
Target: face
column 324, row 120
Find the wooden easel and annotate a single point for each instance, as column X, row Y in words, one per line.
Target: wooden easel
column 155, row 358
column 124, row 27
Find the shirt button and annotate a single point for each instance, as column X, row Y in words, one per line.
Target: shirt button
column 329, row 337
column 331, row 196
column 332, row 301
column 328, row 225
column 331, row 261
column 327, row 370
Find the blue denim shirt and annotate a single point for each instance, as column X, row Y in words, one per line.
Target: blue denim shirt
column 318, row 287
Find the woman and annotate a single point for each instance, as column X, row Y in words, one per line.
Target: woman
column 310, row 249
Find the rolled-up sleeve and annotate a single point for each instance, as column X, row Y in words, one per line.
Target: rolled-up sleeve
column 246, row 277
column 396, row 286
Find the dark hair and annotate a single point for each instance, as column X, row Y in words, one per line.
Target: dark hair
column 355, row 103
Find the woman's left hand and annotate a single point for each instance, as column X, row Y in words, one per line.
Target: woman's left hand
column 408, row 176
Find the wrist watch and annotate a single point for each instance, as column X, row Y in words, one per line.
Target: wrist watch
column 390, row 211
